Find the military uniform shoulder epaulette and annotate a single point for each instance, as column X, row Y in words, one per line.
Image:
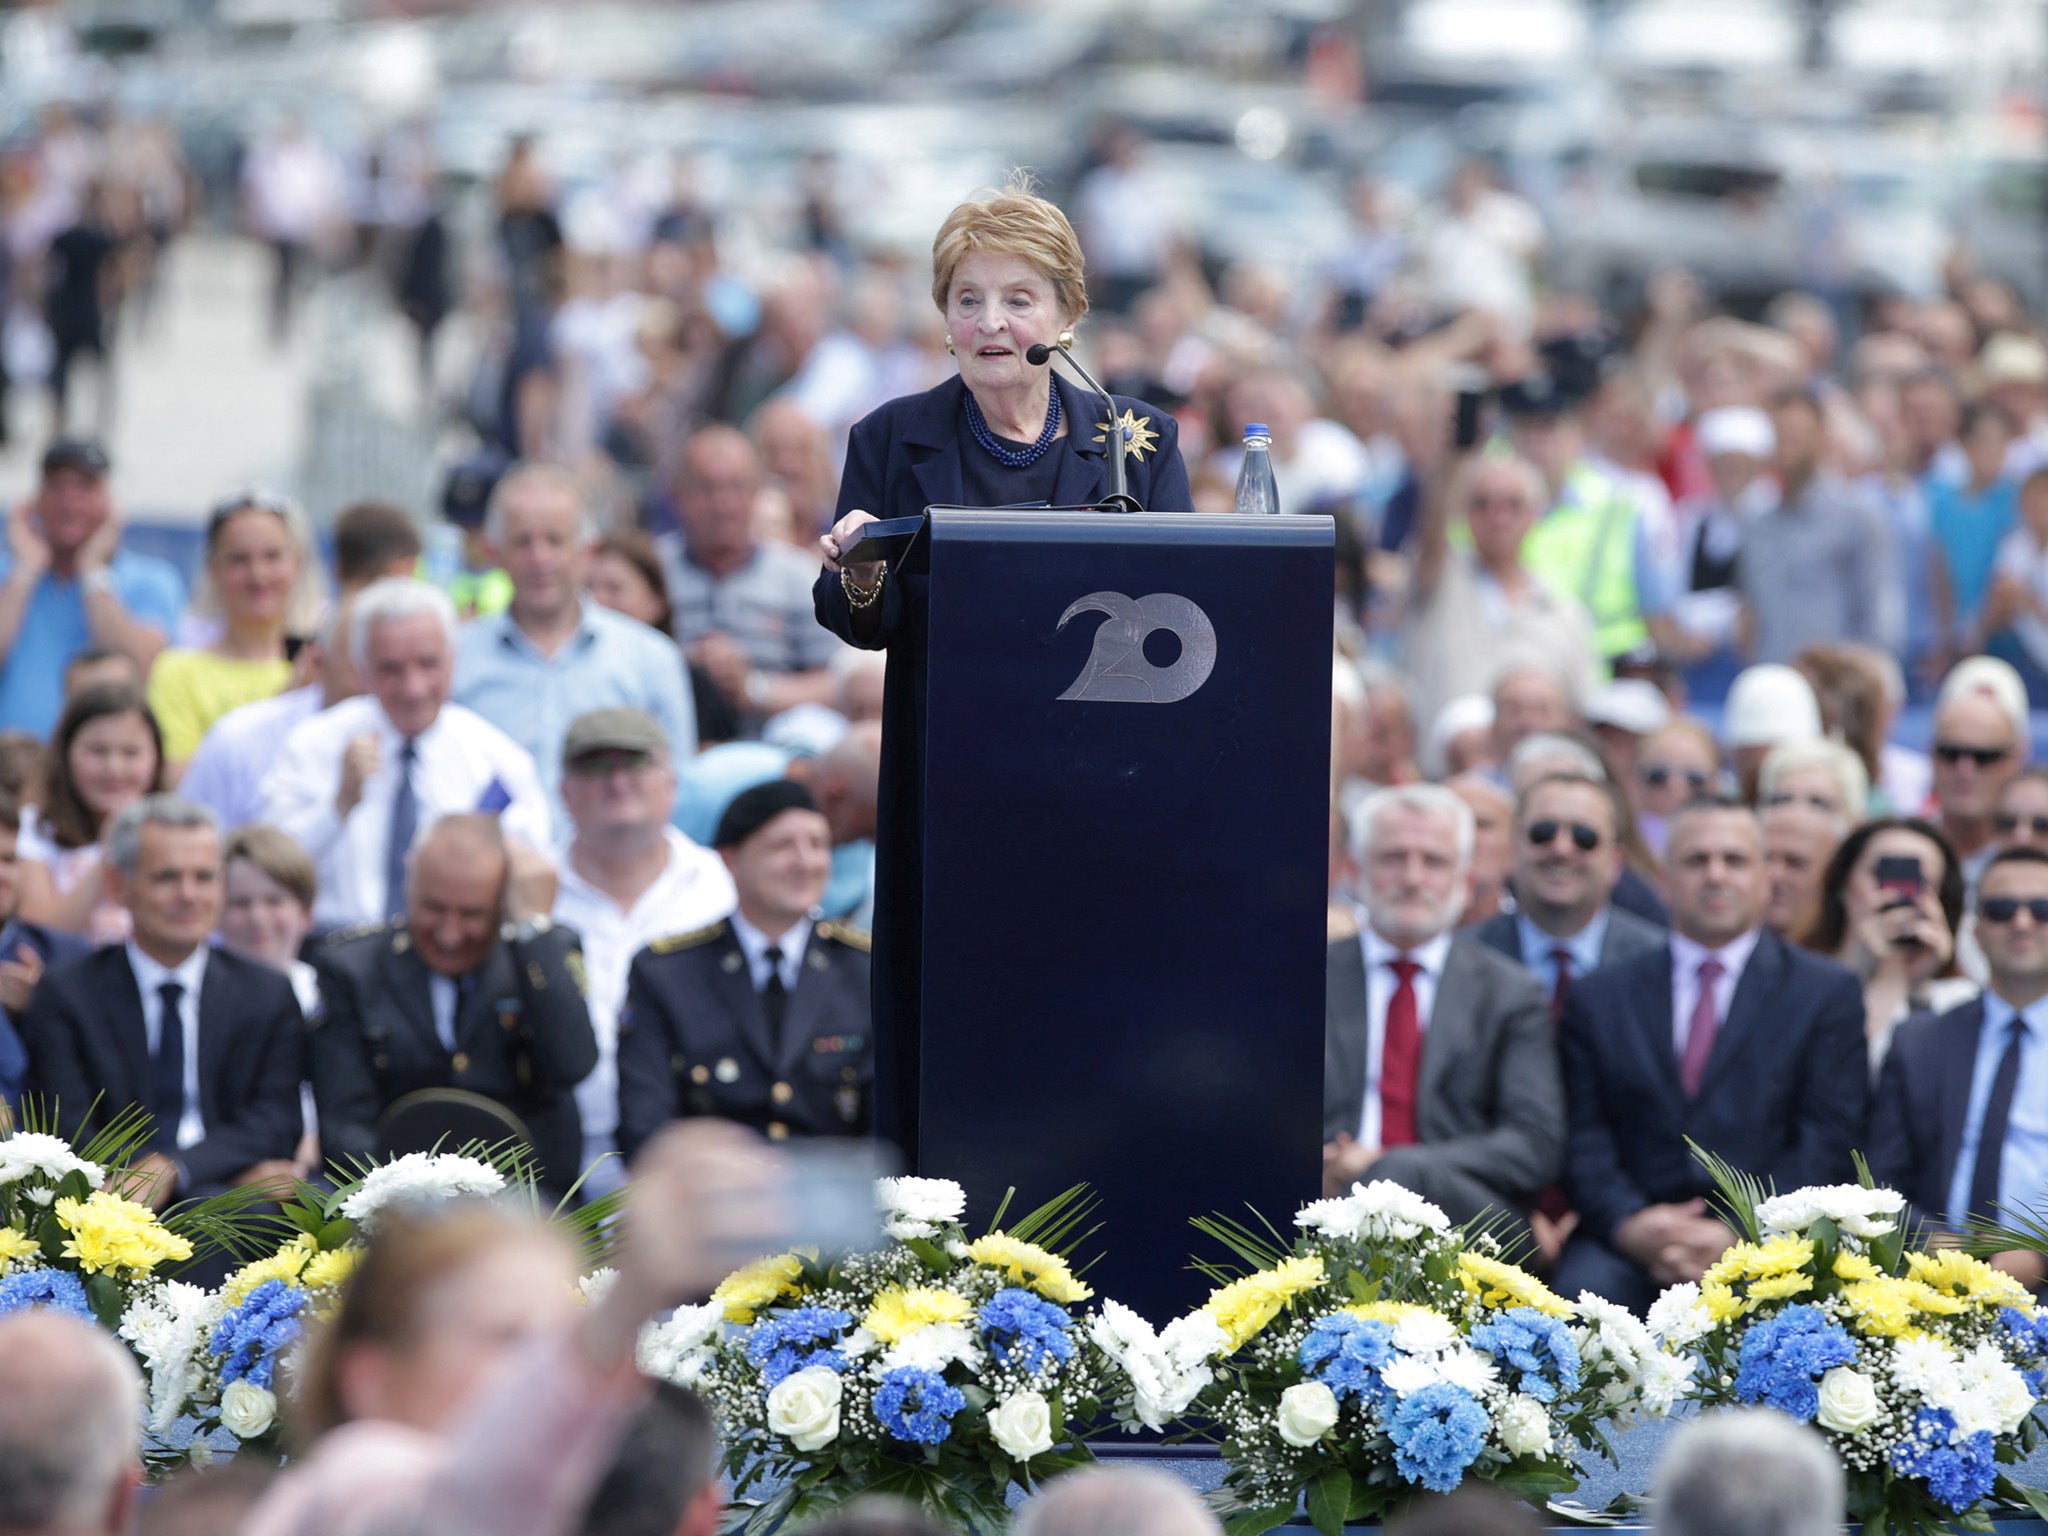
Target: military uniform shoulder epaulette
column 690, row 940
column 847, row 934
column 363, row 930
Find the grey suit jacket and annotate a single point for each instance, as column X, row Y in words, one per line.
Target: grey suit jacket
column 1626, row 935
column 1489, row 1107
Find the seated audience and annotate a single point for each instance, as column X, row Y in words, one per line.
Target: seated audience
column 67, row 586
column 627, row 878
column 21, row 768
column 1768, row 704
column 257, row 552
column 1438, row 1069
column 2021, row 820
column 1798, row 842
column 1460, row 740
column 373, row 540
column 553, row 653
column 1726, row 1036
column 210, row 1044
column 1681, row 762
column 70, row 1400
column 1530, row 699
column 1962, row 1102
column 1748, row 1472
column 26, row 950
column 1894, row 926
column 98, row 667
column 356, row 784
column 476, row 988
column 1117, row 1501
column 663, row 1479
column 266, row 913
column 762, row 1018
column 626, row 577
column 1546, row 753
column 847, row 781
column 1821, row 773
column 1493, row 846
column 105, row 757
column 1980, row 741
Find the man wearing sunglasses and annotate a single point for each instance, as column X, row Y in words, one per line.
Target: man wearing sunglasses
column 1727, row 1037
column 1978, row 747
column 1438, row 1068
column 1961, row 1121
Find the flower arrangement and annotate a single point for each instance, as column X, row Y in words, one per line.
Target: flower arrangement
column 937, row 1368
column 1922, row 1369
column 1388, row 1355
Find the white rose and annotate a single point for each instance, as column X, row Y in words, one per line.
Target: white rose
column 1848, row 1401
column 1308, row 1411
column 247, row 1410
column 804, row 1409
column 1525, row 1426
column 1022, row 1425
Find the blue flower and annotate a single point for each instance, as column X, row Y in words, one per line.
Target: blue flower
column 917, row 1405
column 1537, row 1350
column 783, row 1345
column 248, row 1338
column 57, row 1289
column 1784, row 1357
column 1024, row 1330
column 1958, row 1473
column 1346, row 1354
column 1438, row 1431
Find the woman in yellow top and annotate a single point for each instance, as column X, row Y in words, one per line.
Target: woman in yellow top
column 256, row 556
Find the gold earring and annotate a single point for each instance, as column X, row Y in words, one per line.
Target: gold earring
column 949, row 346
column 1066, row 338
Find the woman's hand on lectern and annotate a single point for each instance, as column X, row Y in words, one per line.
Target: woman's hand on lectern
column 842, row 534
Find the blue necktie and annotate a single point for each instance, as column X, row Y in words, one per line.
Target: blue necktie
column 405, row 821
column 1984, row 1173
column 167, row 1090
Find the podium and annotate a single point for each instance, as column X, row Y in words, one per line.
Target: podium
column 1121, row 873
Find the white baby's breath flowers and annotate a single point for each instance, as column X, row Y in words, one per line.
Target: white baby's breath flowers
column 1857, row 1212
column 28, row 1154
column 918, row 1207
column 421, row 1177
column 1374, row 1212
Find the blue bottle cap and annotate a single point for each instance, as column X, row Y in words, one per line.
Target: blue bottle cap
column 1256, row 428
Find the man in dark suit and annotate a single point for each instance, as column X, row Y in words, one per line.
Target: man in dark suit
column 1438, row 1068
column 1567, row 860
column 764, row 1017
column 26, row 951
column 474, row 989
column 209, row 1044
column 1960, row 1126
column 1726, row 1036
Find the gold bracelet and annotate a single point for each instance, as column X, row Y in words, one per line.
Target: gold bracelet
column 860, row 598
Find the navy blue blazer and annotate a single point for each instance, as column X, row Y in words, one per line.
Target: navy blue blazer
column 1784, row 1096
column 1923, row 1100
column 899, row 460
column 54, row 948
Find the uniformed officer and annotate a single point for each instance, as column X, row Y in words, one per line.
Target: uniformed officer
column 469, row 990
column 762, row 1018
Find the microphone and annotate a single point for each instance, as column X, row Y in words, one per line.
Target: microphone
column 1119, row 498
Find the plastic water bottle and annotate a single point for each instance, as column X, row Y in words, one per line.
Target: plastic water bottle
column 1255, row 489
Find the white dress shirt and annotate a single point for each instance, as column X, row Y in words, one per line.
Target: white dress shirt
column 456, row 758
column 693, row 891
column 1686, row 959
column 1380, row 982
column 754, row 944
column 189, row 974
column 444, row 993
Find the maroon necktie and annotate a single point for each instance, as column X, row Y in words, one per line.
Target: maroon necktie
column 1699, row 1037
column 1400, row 1054
column 1561, row 958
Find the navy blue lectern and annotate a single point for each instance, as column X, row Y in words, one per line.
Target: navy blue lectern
column 1125, row 769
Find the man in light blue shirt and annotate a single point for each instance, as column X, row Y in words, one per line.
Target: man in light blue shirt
column 554, row 654
column 66, row 586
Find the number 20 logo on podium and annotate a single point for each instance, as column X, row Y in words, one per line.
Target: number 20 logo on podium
column 1119, row 672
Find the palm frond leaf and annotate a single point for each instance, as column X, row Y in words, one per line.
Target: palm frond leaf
column 1740, row 1193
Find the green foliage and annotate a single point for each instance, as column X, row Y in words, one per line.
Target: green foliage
column 1740, row 1193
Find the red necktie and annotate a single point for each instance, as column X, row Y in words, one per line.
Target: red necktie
column 1699, row 1038
column 1562, row 959
column 1400, row 1054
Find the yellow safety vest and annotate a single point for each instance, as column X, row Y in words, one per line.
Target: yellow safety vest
column 1585, row 547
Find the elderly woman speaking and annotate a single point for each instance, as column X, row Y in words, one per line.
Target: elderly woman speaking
column 1006, row 273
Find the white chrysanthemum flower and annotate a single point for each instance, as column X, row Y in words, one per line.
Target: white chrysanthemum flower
column 858, row 1343
column 1924, row 1365
column 1612, row 1334
column 1167, row 1371
column 1678, row 1317
column 31, row 1153
column 597, row 1282
column 418, row 1177
column 169, row 1327
column 918, row 1207
column 1663, row 1382
column 932, row 1348
column 1984, row 1393
column 1525, row 1426
column 1466, row 1367
column 1193, row 1339
column 1858, row 1212
column 1374, row 1212
column 678, row 1347
column 1424, row 1333
column 1410, row 1374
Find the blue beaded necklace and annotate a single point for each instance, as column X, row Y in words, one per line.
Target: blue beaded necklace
column 1013, row 458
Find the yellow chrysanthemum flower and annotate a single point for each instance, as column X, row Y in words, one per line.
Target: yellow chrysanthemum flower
column 1855, row 1266
column 1243, row 1307
column 1778, row 1287
column 329, row 1269
column 1499, row 1284
column 1030, row 1265
column 1761, row 1261
column 1721, row 1302
column 1954, row 1273
column 1389, row 1312
column 110, row 1233
column 765, row 1281
column 898, row 1313
column 286, row 1264
column 1882, row 1307
column 16, row 1245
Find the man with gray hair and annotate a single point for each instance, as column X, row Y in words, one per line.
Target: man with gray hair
column 208, row 1044
column 1748, row 1472
column 1438, row 1068
column 356, row 784
column 1117, row 1501
column 553, row 653
column 70, row 1398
